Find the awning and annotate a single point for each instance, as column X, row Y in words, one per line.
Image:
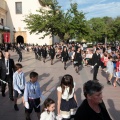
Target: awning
column 1, row 27
column 6, row 28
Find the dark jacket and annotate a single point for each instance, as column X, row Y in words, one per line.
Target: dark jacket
column 85, row 112
column 65, row 55
column 96, row 59
column 3, row 68
column 52, row 53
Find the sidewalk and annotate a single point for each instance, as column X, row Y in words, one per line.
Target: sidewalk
column 50, row 77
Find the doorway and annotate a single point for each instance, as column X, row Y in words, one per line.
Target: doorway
column 20, row 39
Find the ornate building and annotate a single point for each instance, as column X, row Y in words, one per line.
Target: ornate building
column 4, row 30
column 16, row 11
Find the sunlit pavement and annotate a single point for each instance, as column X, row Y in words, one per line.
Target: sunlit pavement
column 50, row 77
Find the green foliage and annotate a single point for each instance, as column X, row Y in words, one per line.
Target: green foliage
column 66, row 25
column 71, row 24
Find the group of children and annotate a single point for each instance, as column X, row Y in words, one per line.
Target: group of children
column 31, row 97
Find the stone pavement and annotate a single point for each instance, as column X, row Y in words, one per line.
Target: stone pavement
column 49, row 78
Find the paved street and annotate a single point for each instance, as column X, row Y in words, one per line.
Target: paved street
column 49, row 79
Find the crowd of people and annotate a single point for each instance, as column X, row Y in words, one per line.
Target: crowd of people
column 99, row 57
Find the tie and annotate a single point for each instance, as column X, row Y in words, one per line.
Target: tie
column 7, row 63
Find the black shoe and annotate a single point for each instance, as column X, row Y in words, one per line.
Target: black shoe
column 12, row 99
column 108, row 82
column 16, row 107
column 3, row 94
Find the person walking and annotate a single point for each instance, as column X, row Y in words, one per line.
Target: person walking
column 96, row 62
column 18, row 84
column 52, row 54
column 65, row 56
column 67, row 102
column 77, row 59
column 32, row 96
column 7, row 69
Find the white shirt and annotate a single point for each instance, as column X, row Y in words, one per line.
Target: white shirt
column 7, row 66
column 66, row 94
column 47, row 116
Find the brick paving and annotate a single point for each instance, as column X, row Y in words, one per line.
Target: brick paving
column 49, row 78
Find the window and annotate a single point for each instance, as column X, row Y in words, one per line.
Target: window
column 18, row 6
column 2, row 21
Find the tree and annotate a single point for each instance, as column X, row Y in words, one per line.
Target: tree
column 57, row 22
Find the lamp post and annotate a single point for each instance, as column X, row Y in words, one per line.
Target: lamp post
column 14, row 31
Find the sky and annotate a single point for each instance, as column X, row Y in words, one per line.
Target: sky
column 94, row 8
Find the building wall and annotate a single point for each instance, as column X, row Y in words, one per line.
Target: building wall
column 3, row 11
column 16, row 21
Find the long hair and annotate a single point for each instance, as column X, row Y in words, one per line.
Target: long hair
column 67, row 80
column 2, row 56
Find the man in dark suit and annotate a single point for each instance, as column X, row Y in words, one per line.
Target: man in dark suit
column 7, row 68
column 96, row 63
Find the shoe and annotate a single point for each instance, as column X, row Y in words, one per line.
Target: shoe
column 16, row 107
column 65, row 68
column 12, row 99
column 108, row 82
column 3, row 94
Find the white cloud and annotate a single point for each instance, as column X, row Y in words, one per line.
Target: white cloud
column 99, row 10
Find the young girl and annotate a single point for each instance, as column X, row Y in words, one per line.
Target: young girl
column 117, row 75
column 48, row 110
column 66, row 98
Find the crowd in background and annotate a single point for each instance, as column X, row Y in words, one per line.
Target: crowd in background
column 98, row 57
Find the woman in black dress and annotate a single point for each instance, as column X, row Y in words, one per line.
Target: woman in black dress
column 65, row 56
column 52, row 53
column 77, row 59
column 44, row 53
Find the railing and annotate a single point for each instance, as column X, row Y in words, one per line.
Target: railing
column 3, row 4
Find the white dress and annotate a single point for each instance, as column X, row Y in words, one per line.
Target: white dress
column 47, row 115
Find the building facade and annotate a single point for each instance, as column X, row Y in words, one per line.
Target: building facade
column 16, row 11
column 4, row 29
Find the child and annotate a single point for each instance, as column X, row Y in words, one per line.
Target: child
column 48, row 110
column 117, row 74
column 110, row 69
column 32, row 96
column 67, row 102
column 18, row 84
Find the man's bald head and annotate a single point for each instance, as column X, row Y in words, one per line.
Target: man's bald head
column 7, row 55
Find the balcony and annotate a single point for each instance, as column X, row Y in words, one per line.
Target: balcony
column 3, row 5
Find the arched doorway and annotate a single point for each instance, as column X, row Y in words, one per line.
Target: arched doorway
column 20, row 39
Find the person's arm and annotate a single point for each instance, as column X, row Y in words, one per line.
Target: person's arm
column 26, row 93
column 59, row 95
column 15, row 86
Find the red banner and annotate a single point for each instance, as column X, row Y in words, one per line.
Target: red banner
column 6, row 36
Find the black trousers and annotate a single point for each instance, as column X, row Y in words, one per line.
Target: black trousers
column 9, row 80
column 20, row 58
column 95, row 72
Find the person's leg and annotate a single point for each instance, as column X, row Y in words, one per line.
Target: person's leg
column 27, row 115
column 114, row 83
column 109, row 78
column 15, row 100
column 3, row 87
column 38, row 115
column 95, row 72
column 65, row 65
column 10, row 86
